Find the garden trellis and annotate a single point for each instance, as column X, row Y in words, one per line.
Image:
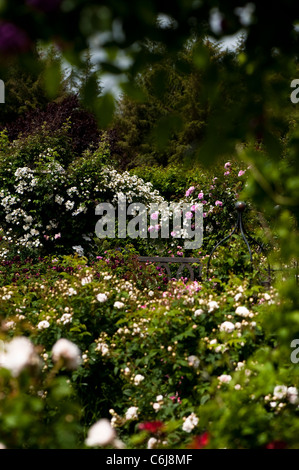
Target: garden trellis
column 189, row 262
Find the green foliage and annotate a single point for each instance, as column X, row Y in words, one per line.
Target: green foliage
column 168, row 122
column 25, row 89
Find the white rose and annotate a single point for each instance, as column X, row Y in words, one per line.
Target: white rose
column 102, row 297
column 190, row 422
column 118, row 304
column 212, row 306
column 237, row 297
column 100, row 434
column 68, row 352
column 18, row 354
column 43, row 324
column 71, row 291
column 242, row 311
column 151, row 443
column 240, row 365
column 227, row 327
column 132, row 413
column 138, row 378
column 280, row 392
column 225, row 379
column 198, row 312
column 193, row 361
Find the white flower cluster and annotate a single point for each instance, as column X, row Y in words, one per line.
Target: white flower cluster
column 102, row 348
column 51, row 181
column 102, row 297
column 227, row 327
column 25, row 180
column 138, row 378
column 131, row 413
column 132, row 186
column 224, row 378
column 281, row 396
column 190, row 422
column 19, row 354
column 72, row 190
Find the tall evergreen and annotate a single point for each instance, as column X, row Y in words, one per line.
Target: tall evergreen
column 169, row 119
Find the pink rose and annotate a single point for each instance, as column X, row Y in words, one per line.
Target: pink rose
column 190, row 191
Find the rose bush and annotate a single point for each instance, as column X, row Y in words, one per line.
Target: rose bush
column 152, row 361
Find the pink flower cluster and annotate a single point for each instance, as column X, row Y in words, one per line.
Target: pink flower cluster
column 190, row 191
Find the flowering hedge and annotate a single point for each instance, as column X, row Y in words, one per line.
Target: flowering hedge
column 48, row 197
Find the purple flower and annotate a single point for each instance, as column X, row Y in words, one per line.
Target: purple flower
column 241, row 173
column 12, row 38
column 44, row 5
column 200, row 195
column 218, row 203
column 227, row 165
column 188, row 215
